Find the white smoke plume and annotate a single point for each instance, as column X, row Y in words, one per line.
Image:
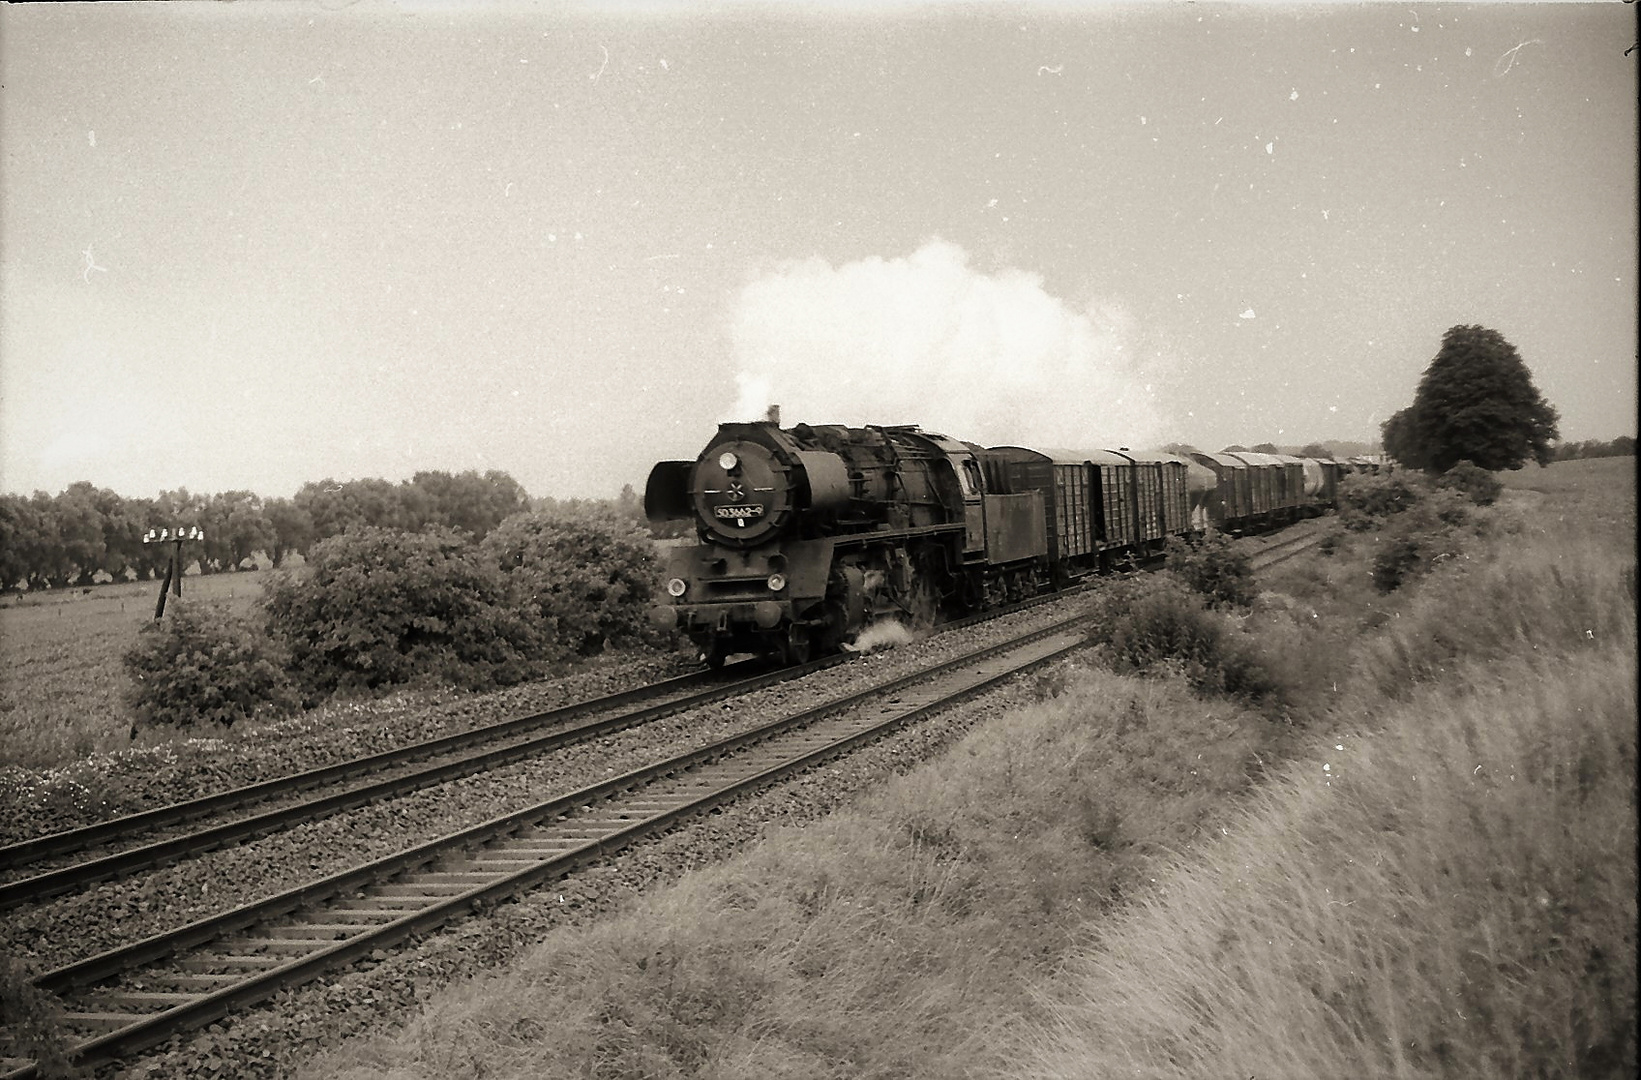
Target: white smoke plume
column 883, row 634
column 928, row 340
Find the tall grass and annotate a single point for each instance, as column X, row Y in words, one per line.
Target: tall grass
column 1443, row 886
column 1524, row 600
column 1454, row 897
column 896, row 938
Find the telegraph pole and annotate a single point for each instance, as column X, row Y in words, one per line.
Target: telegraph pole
column 173, row 573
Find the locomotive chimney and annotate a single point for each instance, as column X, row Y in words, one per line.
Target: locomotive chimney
column 773, row 416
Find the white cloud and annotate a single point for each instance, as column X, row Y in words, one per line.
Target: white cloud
column 927, row 339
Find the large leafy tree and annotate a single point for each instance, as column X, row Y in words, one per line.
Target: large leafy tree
column 1477, row 403
column 467, row 501
column 292, row 529
column 236, row 528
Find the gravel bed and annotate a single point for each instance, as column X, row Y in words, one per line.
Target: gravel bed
column 82, row 924
column 275, row 1039
column 127, row 781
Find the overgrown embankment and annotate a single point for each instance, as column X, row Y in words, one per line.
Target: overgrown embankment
column 1452, row 896
column 1358, row 827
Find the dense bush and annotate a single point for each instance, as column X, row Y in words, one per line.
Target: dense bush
column 587, row 579
column 1397, row 559
column 1418, row 539
column 1366, row 500
column 380, row 607
column 1477, row 484
column 1215, row 567
column 202, row 664
column 1154, row 624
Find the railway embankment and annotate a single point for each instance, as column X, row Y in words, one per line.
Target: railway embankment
column 1429, row 866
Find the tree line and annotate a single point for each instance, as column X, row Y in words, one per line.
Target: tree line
column 1623, row 446
column 68, row 539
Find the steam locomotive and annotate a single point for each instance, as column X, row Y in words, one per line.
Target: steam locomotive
column 807, row 535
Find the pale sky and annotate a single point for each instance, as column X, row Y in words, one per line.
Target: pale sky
column 247, row 246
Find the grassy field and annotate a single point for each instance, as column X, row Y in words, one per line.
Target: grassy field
column 1424, row 867
column 60, row 695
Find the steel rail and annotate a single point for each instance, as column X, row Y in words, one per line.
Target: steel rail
column 198, row 1010
column 124, row 863
column 1284, row 549
column 71, row 840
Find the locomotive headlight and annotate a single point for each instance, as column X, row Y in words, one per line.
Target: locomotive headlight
column 727, row 460
column 676, row 587
column 777, row 582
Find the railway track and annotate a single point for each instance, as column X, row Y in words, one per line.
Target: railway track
column 130, row 998
column 356, row 782
column 1285, row 545
column 35, row 870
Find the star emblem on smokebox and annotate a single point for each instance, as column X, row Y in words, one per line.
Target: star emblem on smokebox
column 736, row 492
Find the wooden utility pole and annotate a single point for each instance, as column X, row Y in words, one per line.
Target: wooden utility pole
column 173, row 572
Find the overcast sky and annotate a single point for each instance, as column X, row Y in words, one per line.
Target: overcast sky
column 247, row 246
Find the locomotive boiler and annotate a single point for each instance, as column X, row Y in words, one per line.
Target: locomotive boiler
column 807, row 535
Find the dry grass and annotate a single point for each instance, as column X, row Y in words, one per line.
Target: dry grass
column 1435, row 879
column 1454, row 897
column 894, row 939
column 60, row 691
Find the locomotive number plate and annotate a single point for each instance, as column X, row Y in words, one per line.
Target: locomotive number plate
column 741, row 513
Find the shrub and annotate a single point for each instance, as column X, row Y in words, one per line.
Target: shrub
column 380, row 607
column 1365, row 501
column 1215, row 567
column 202, row 664
column 1157, row 625
column 1477, row 484
column 1398, row 559
column 1419, row 539
column 31, row 1020
column 587, row 579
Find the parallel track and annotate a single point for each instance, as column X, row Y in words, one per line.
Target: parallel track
column 448, row 758
column 187, row 978
column 516, row 739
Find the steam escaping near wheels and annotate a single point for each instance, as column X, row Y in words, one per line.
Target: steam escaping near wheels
column 885, row 634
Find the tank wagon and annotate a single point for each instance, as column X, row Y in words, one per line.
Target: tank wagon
column 807, row 535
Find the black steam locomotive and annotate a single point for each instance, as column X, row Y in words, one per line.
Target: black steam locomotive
column 810, row 534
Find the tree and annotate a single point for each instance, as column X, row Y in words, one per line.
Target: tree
column 467, row 501
column 1264, row 448
column 336, row 508
column 123, row 526
column 1476, row 402
column 1235, row 448
column 80, row 531
column 15, row 525
column 292, row 529
column 236, row 527
column 1315, row 450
